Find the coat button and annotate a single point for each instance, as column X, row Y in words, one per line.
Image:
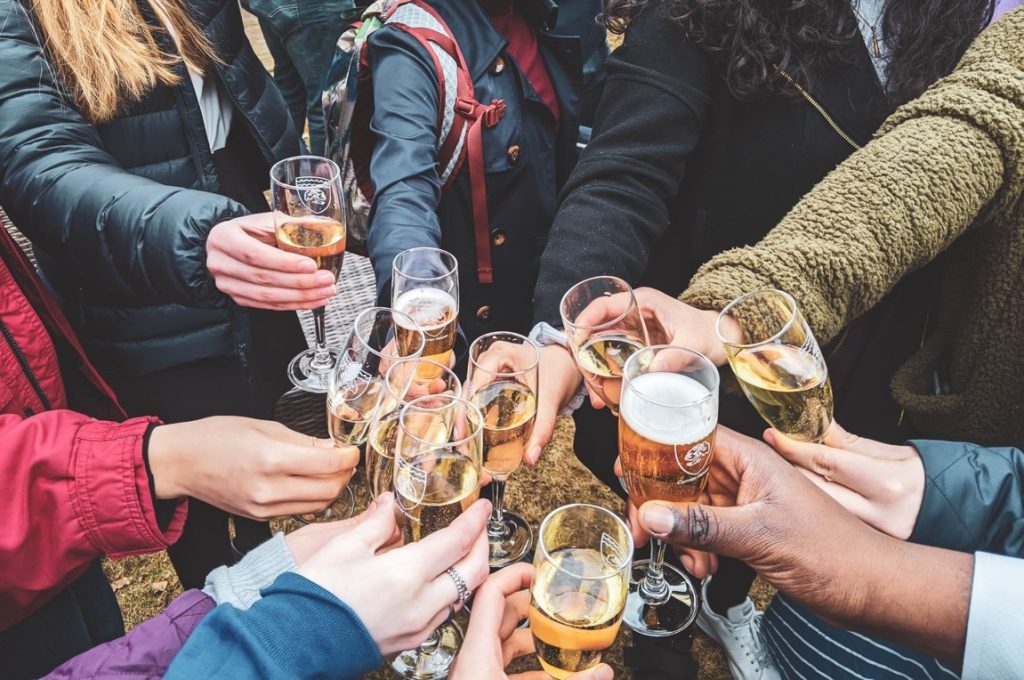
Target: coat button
column 497, row 238
column 484, row 313
column 498, row 65
column 514, row 153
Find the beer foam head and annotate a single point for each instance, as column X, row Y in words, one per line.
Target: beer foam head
column 651, row 407
column 429, row 307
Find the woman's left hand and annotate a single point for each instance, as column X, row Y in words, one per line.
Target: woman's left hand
column 494, row 638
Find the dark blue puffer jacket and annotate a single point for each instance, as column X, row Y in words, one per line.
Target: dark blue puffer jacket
column 119, row 212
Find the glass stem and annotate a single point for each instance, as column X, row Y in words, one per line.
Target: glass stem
column 321, row 362
column 496, row 528
column 654, row 589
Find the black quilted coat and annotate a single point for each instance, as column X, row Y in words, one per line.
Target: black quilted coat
column 119, row 212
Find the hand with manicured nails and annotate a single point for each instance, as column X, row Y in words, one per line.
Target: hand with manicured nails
column 494, row 638
column 243, row 258
column 248, row 467
column 401, row 595
column 880, row 483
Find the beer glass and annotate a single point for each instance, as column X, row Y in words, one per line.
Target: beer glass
column 779, row 365
column 425, row 285
column 601, row 337
column 401, row 384
column 356, row 386
column 437, row 477
column 502, row 383
column 582, row 576
column 667, row 422
column 309, row 219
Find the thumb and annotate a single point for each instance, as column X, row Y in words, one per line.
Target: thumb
column 376, row 529
column 599, row 672
column 693, row 525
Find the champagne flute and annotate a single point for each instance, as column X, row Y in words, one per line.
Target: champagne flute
column 379, row 337
column 669, row 412
column 425, row 285
column 437, row 476
column 402, row 384
column 779, row 365
column 579, row 591
column 602, row 342
column 502, row 382
column 309, row 219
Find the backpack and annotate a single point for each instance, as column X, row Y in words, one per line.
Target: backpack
column 348, row 109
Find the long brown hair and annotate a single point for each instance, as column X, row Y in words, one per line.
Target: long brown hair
column 107, row 54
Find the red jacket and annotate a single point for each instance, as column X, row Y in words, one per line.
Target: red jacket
column 72, row 486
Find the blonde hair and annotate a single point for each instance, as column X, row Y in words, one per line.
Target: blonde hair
column 107, row 54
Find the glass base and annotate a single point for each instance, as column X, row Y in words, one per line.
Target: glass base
column 674, row 615
column 514, row 544
column 420, row 664
column 309, row 377
column 342, row 508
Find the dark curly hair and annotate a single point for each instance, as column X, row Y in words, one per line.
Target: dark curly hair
column 753, row 40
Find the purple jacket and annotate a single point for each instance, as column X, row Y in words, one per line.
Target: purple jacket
column 148, row 649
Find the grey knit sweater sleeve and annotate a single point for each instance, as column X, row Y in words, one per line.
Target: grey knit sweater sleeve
column 240, row 585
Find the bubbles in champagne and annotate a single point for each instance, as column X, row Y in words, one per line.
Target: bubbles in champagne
column 431, row 490
column 320, row 238
column 436, row 312
column 509, row 408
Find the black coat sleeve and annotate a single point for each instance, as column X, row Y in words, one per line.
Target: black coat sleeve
column 119, row 232
column 973, row 498
column 616, row 203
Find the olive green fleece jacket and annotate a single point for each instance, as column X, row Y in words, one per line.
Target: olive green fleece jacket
column 943, row 178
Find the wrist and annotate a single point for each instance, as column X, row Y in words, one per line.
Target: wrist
column 724, row 329
column 165, row 461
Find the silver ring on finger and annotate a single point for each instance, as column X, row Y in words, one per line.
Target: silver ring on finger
column 460, row 585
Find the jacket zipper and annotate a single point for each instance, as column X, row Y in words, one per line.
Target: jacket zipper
column 25, row 367
column 820, row 109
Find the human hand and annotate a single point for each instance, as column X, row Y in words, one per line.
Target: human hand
column 411, row 580
column 243, row 258
column 881, row 484
column 494, row 638
column 252, row 468
column 557, row 383
column 774, row 519
column 306, row 541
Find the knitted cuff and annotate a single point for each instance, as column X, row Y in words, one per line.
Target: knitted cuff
column 240, row 585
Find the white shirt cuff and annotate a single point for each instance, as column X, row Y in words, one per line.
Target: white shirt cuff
column 995, row 625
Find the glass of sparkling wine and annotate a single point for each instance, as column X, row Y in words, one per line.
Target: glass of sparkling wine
column 502, row 382
column 779, row 364
column 356, row 387
column 425, row 285
column 603, row 332
column 402, row 384
column 437, row 477
column 582, row 577
column 309, row 215
column 667, row 422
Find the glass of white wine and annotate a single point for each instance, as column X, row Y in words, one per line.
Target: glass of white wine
column 309, row 215
column 582, row 565
column 667, row 421
column 425, row 285
column 356, row 389
column 601, row 338
column 402, row 384
column 437, row 477
column 779, row 365
column 502, row 382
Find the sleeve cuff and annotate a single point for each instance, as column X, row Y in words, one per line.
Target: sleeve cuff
column 240, row 585
column 994, row 637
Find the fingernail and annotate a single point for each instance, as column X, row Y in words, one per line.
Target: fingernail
column 603, row 672
column 769, row 438
column 324, row 278
column 658, row 519
column 534, row 454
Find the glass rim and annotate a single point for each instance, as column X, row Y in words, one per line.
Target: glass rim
column 527, row 342
column 605, row 324
column 335, row 170
column 712, row 391
column 546, row 554
column 454, row 270
column 415, row 326
column 794, row 312
column 477, row 429
column 401, row 361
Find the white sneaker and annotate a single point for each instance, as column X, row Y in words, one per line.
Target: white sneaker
column 739, row 634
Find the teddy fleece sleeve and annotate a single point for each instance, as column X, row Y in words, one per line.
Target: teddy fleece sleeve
column 942, row 163
column 74, row 488
column 122, row 233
